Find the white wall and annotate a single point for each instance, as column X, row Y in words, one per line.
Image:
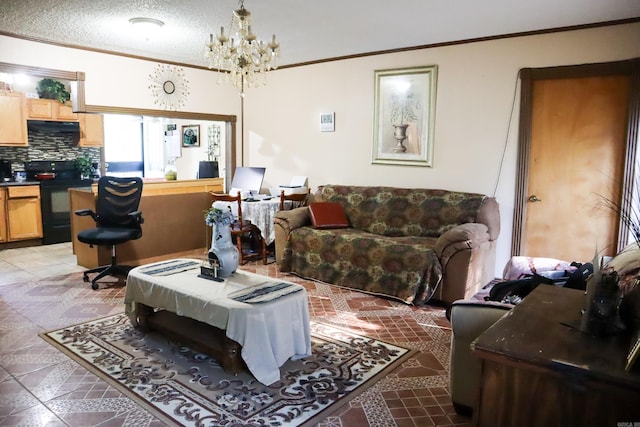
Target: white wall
column 120, row 81
column 475, row 93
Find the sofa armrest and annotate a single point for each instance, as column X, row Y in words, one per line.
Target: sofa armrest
column 469, row 319
column 461, row 237
column 467, row 256
column 284, row 223
column 292, row 219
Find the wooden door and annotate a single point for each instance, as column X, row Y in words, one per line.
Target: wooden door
column 576, row 160
column 3, row 216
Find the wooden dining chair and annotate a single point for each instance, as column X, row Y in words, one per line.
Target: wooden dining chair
column 249, row 241
column 297, row 200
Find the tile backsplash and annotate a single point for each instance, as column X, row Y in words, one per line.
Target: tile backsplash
column 47, row 146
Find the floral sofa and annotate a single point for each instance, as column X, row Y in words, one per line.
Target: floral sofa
column 408, row 244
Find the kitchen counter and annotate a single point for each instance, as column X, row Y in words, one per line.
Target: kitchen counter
column 173, row 213
column 14, row 183
column 162, row 186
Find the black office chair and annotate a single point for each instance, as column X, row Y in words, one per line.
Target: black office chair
column 117, row 221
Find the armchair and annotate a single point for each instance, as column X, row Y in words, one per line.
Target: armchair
column 469, row 319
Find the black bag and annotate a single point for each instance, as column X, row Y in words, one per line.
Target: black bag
column 513, row 291
column 578, row 278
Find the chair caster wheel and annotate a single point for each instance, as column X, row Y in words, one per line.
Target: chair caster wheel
column 85, row 278
column 94, row 286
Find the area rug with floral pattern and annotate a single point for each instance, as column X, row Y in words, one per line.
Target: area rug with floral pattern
column 184, row 387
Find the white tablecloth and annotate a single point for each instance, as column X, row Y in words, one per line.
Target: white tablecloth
column 260, row 213
column 270, row 333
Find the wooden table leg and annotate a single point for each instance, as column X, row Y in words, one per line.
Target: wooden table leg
column 143, row 312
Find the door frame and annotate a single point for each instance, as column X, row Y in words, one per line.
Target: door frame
column 629, row 67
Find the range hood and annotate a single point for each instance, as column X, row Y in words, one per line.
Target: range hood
column 53, row 126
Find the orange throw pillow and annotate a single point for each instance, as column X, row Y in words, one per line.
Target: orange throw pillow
column 328, row 215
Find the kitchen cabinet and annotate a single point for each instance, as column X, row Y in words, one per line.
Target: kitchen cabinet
column 24, row 218
column 13, row 123
column 3, row 215
column 50, row 109
column 91, row 130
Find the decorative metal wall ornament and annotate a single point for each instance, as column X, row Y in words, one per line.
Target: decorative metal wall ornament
column 169, row 87
column 213, row 142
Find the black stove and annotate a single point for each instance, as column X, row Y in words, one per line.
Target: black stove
column 54, row 197
column 64, row 170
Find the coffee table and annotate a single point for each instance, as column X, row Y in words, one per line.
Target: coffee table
column 246, row 320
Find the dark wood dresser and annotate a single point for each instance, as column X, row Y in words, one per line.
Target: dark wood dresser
column 538, row 369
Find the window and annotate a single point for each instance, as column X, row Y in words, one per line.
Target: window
column 123, row 145
column 143, row 146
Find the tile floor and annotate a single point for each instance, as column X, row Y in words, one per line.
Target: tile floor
column 40, row 386
column 36, row 262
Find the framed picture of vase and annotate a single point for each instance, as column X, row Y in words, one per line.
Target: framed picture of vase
column 404, row 116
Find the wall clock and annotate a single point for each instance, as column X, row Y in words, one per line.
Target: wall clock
column 169, row 87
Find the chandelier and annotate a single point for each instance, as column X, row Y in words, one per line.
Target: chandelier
column 246, row 58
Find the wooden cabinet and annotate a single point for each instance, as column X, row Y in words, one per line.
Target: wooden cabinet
column 50, row 109
column 24, row 218
column 3, row 215
column 13, row 123
column 65, row 112
column 538, row 369
column 91, row 130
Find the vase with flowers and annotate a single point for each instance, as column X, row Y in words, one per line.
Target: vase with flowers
column 404, row 104
column 222, row 252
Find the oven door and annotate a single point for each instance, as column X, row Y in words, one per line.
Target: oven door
column 56, row 209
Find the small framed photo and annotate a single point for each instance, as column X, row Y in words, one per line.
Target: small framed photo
column 191, row 136
column 327, row 122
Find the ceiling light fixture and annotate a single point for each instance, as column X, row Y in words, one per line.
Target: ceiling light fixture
column 244, row 56
column 146, row 24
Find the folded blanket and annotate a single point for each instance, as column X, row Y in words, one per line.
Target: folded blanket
column 265, row 292
column 169, row 267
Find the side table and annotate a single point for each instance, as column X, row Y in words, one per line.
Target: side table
column 538, row 369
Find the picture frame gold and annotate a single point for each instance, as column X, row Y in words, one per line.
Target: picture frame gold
column 634, row 352
column 404, row 116
column 191, row 135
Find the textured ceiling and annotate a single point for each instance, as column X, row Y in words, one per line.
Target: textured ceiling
column 307, row 30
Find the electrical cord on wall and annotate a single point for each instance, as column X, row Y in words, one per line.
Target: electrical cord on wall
column 506, row 142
